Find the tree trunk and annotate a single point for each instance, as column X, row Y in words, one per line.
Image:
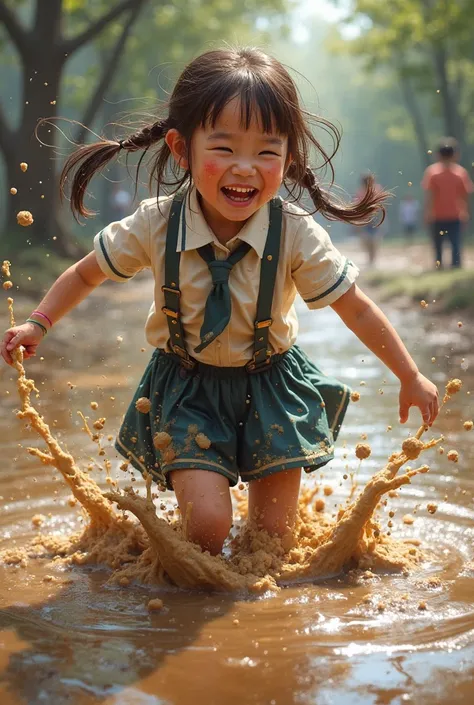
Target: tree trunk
column 415, row 115
column 37, row 187
column 453, row 120
column 43, row 52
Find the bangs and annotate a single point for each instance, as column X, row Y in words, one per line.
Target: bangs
column 259, row 100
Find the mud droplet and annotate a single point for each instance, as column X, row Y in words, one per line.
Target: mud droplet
column 363, row 451
column 203, row 441
column 155, row 604
column 161, row 440
column 412, row 447
column 143, row 405
column 453, row 386
column 24, row 218
column 168, row 455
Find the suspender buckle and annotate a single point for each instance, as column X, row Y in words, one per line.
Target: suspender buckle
column 263, row 324
column 185, row 359
column 170, row 290
column 170, row 313
column 254, row 367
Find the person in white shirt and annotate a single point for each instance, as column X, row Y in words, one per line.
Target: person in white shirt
column 409, row 210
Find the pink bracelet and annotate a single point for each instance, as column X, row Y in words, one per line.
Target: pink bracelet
column 43, row 315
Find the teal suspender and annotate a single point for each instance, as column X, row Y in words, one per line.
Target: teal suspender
column 262, row 351
column 268, row 270
column 171, row 288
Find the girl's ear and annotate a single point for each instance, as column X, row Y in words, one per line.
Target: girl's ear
column 177, row 147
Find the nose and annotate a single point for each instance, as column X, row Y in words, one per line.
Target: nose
column 243, row 167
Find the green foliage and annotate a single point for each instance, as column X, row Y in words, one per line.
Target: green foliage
column 428, row 43
column 114, row 51
column 366, row 108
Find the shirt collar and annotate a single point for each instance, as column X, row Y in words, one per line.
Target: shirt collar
column 197, row 232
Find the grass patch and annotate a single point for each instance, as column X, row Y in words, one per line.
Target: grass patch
column 452, row 289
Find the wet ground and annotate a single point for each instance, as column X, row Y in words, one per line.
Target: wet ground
column 68, row 637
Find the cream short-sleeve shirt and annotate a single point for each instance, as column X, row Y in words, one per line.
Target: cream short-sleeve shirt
column 309, row 264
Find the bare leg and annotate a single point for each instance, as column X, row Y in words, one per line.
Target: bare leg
column 209, row 519
column 273, row 501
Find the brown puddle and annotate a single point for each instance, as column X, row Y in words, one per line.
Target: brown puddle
column 305, row 643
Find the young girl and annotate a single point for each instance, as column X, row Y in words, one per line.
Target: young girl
column 227, row 392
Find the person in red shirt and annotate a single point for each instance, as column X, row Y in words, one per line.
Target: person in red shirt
column 447, row 186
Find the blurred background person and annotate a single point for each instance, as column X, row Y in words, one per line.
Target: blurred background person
column 371, row 234
column 408, row 213
column 447, row 185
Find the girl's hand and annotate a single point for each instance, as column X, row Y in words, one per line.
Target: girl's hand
column 27, row 335
column 419, row 391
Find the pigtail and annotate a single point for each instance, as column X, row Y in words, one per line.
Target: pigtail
column 361, row 212
column 91, row 158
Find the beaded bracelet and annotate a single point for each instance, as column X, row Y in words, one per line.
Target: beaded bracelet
column 43, row 328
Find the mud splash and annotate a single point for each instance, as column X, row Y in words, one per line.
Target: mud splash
column 154, row 550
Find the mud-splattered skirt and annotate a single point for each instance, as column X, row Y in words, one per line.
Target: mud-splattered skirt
column 228, row 421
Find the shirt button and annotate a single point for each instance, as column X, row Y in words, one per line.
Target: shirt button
column 219, row 344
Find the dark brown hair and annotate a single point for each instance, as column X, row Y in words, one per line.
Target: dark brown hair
column 448, row 147
column 265, row 90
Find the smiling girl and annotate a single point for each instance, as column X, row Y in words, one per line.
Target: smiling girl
column 227, row 392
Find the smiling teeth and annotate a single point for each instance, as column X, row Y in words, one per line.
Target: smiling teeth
column 240, row 190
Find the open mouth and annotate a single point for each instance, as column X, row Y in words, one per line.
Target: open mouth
column 238, row 194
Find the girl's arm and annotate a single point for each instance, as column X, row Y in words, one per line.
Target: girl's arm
column 372, row 327
column 72, row 287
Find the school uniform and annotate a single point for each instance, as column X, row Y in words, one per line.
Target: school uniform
column 224, row 327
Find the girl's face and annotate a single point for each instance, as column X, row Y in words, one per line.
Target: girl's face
column 236, row 171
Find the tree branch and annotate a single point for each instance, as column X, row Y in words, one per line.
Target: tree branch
column 108, row 72
column 14, row 29
column 69, row 46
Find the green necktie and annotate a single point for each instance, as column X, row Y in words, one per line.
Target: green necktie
column 218, row 304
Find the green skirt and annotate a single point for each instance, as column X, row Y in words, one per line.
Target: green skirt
column 228, row 421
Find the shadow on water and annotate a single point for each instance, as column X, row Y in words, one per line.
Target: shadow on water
column 89, row 641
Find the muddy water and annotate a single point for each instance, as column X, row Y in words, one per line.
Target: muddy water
column 69, row 637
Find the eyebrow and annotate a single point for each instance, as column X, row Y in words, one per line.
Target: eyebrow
column 228, row 135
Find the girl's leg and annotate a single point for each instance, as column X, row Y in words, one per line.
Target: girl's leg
column 273, row 501
column 209, row 519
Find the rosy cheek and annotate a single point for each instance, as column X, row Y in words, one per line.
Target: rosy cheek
column 274, row 171
column 210, row 168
